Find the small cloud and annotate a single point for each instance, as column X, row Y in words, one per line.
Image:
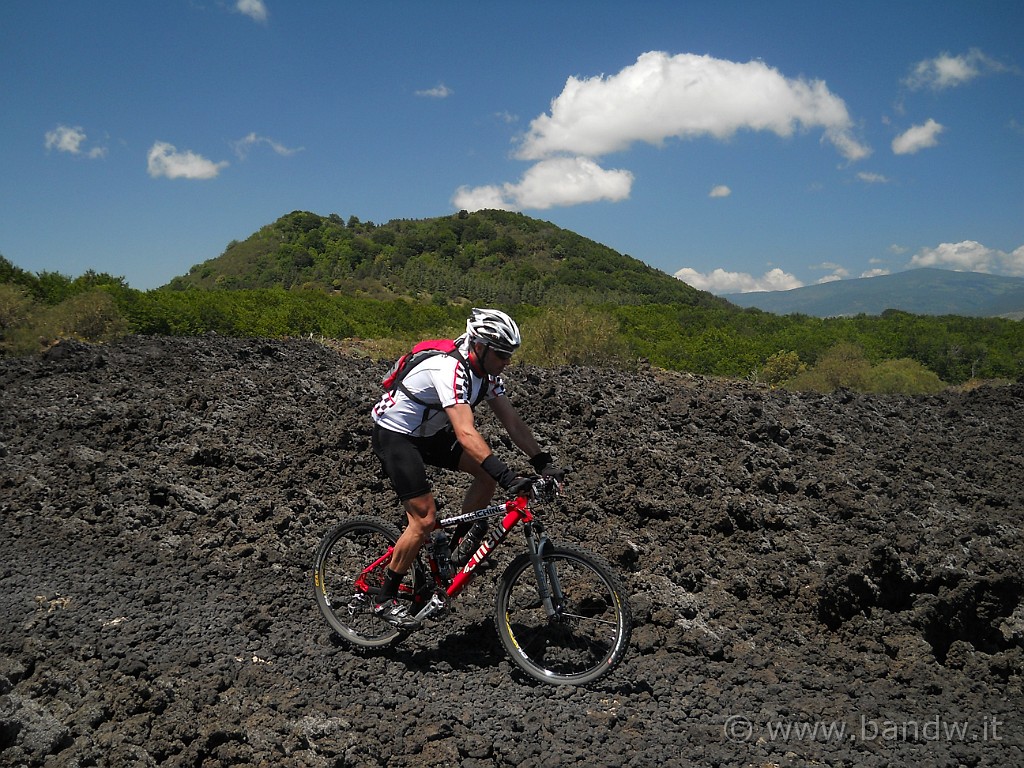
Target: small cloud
column 872, row 178
column 719, row 281
column 838, row 272
column 507, row 117
column 945, row 71
column 69, row 139
column 971, row 256
column 490, row 196
column 720, row 191
column 165, row 160
column 557, row 181
column 917, row 138
column 242, row 146
column 254, row 9
column 874, row 272
column 441, row 91
column 898, row 249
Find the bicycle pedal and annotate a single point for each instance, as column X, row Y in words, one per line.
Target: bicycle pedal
column 434, row 609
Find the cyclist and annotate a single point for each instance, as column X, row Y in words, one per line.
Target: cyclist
column 429, row 420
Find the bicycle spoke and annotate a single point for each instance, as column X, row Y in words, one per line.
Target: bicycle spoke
column 589, row 631
column 348, row 572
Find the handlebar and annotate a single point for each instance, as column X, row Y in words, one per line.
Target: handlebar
column 543, row 489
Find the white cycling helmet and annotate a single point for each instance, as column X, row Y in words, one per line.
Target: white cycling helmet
column 495, row 329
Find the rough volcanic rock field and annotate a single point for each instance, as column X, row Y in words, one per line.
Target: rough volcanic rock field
column 817, row 579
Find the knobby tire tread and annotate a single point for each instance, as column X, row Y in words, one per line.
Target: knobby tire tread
column 527, row 637
column 333, row 590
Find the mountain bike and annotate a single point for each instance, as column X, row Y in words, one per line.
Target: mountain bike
column 561, row 613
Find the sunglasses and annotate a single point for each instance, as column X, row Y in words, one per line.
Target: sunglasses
column 501, row 355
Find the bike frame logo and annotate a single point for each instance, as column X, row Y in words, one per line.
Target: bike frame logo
column 493, row 539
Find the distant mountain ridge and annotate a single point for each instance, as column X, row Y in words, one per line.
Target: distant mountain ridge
column 925, row 291
column 489, row 255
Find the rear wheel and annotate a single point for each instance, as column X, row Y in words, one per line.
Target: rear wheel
column 347, row 576
column 588, row 633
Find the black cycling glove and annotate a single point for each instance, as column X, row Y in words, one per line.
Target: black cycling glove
column 521, row 486
column 544, row 464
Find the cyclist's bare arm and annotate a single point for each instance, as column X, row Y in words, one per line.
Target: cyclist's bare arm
column 461, row 417
column 520, row 433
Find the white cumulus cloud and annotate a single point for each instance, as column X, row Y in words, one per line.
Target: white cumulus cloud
column 70, row 139
column 917, row 137
column 837, row 272
column 254, row 9
column 971, row 256
column 946, row 71
column 556, row 181
column 684, row 96
column 165, row 160
column 720, row 191
column 662, row 97
column 719, row 281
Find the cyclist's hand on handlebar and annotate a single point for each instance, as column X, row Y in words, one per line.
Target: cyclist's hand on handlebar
column 544, row 464
column 521, row 486
column 555, row 473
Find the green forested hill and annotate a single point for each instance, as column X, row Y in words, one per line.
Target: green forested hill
column 378, row 288
column 487, row 256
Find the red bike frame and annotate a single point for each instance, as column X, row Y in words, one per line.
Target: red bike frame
column 516, row 511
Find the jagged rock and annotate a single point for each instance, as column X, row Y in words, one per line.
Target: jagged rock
column 836, row 559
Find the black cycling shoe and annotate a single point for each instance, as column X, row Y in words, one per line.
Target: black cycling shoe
column 395, row 614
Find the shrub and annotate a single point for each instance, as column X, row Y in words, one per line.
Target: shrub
column 781, row 367
column 89, row 316
column 15, row 307
column 572, row 335
column 903, row 376
column 842, row 366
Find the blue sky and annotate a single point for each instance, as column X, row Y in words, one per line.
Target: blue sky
column 737, row 145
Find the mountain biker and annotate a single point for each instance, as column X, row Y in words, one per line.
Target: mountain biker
column 430, row 420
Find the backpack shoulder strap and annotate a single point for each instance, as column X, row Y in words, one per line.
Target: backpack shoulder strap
column 423, row 354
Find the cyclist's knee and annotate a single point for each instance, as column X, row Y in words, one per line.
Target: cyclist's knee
column 422, row 511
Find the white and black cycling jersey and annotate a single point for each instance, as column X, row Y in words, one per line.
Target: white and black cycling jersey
column 438, row 382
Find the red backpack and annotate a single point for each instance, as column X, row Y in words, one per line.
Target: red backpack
column 392, row 380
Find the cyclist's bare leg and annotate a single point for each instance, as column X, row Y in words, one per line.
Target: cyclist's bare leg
column 422, row 515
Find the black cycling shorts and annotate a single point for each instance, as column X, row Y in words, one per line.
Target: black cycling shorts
column 404, row 458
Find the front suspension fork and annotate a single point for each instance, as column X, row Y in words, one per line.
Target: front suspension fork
column 549, row 589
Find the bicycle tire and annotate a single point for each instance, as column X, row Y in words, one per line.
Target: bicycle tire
column 344, row 555
column 589, row 635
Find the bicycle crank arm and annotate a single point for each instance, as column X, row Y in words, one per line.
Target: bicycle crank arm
column 434, row 608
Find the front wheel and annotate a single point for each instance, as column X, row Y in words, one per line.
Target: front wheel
column 347, row 576
column 588, row 633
